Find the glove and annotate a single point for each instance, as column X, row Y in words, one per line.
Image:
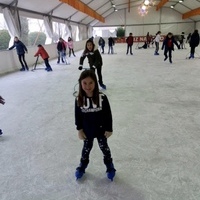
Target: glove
column 80, row 67
column 108, row 134
column 81, row 135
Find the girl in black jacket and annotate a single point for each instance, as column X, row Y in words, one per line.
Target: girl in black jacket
column 93, row 119
column 21, row 49
column 168, row 44
column 94, row 59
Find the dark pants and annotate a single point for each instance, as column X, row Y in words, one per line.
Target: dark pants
column 103, row 145
column 129, row 47
column 110, row 49
column 157, row 47
column 170, row 53
column 99, row 75
column 46, row 61
column 71, row 51
column 192, row 50
column 22, row 61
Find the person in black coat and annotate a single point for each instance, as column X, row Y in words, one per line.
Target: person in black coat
column 111, row 43
column 21, row 49
column 94, row 59
column 101, row 44
column 168, row 44
column 194, row 42
column 2, row 101
column 93, row 119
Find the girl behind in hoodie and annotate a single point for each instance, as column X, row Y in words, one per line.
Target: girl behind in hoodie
column 94, row 59
column 45, row 56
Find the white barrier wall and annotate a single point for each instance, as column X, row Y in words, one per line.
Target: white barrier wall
column 10, row 62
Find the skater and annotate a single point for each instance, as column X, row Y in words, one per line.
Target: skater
column 61, row 47
column 111, row 43
column 129, row 41
column 144, row 46
column 168, row 44
column 94, row 58
column 21, row 49
column 93, row 119
column 71, row 46
column 2, row 101
column 182, row 41
column 45, row 56
column 101, row 44
column 157, row 40
column 194, row 42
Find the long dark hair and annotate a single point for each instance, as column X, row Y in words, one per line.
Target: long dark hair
column 86, row 49
column 95, row 98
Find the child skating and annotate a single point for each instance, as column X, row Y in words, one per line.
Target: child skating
column 93, row 119
column 2, row 101
column 94, row 59
column 168, row 46
column 45, row 56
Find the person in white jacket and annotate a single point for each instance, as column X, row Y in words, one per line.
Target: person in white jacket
column 157, row 40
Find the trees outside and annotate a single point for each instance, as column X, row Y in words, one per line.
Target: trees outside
column 36, row 38
column 4, row 39
column 24, row 30
column 120, row 32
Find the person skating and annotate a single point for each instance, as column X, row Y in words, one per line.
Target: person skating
column 2, row 101
column 157, row 41
column 168, row 46
column 94, row 59
column 21, row 49
column 93, row 119
column 194, row 42
column 129, row 41
column 45, row 56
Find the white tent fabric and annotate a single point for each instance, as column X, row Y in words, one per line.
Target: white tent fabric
column 11, row 23
column 48, row 27
column 82, row 32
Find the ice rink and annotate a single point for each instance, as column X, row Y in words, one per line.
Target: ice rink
column 155, row 144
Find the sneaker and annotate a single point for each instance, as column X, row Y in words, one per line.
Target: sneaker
column 1, row 132
column 22, row 69
column 165, row 58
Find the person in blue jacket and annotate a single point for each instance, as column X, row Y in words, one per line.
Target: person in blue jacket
column 93, row 119
column 168, row 46
column 21, row 49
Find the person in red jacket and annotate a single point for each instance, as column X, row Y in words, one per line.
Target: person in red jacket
column 129, row 41
column 45, row 56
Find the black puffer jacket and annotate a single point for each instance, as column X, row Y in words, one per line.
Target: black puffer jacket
column 194, row 40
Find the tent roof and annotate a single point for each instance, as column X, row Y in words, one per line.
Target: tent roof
column 58, row 9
